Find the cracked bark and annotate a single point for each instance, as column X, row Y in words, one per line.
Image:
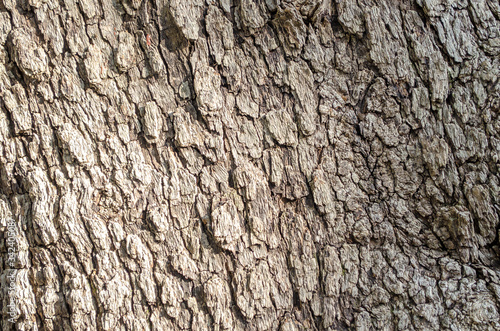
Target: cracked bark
column 251, row 165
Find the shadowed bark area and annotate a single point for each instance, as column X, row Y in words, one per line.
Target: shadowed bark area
column 251, row 165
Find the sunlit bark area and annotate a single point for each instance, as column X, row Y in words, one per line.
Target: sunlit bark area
column 249, row 164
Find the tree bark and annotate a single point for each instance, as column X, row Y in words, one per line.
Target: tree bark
column 250, row 165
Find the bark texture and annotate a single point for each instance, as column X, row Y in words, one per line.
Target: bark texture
column 250, row 164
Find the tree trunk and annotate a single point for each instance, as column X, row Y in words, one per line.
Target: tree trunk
column 250, row 165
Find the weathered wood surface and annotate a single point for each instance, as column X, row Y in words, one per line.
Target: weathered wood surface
column 251, row 165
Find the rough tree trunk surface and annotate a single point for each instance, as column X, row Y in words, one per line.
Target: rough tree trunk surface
column 251, row 165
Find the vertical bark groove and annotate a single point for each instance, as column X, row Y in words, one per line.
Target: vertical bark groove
column 250, row 165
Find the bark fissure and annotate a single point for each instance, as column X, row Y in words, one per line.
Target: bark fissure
column 250, row 165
